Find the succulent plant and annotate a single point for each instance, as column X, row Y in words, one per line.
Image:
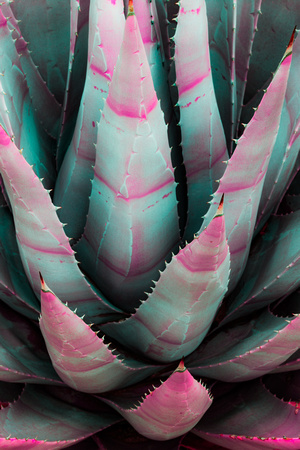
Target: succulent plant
column 150, row 240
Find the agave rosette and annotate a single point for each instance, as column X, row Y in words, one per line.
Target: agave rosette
column 150, row 244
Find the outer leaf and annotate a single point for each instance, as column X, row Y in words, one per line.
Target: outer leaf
column 286, row 148
column 81, row 359
column 245, row 419
column 23, row 356
column 272, row 270
column 244, row 176
column 133, row 186
column 168, row 411
column 37, row 416
column 247, row 351
column 22, row 118
column 73, row 184
column 203, row 141
column 14, row 286
column 42, row 242
column 184, row 301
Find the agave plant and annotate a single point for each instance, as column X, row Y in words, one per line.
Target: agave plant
column 150, row 240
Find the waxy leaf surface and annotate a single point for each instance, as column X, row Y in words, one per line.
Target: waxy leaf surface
column 244, row 419
column 247, row 351
column 167, row 411
column 123, row 248
column 184, row 300
column 203, row 141
column 73, row 184
column 42, row 242
column 38, row 419
column 244, row 176
column 82, row 360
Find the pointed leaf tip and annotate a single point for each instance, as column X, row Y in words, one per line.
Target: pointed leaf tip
column 181, row 367
column 290, row 45
column 220, row 207
column 130, row 8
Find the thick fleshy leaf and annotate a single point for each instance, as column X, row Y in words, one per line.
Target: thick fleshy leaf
column 167, row 411
column 232, row 27
column 286, row 148
column 244, row 419
column 79, row 28
column 82, row 360
column 23, row 356
column 45, row 25
column 244, row 176
column 14, row 287
column 123, row 248
column 179, row 311
column 203, row 141
column 272, row 270
column 246, row 351
column 38, row 419
column 43, row 101
column 20, row 115
column 42, row 242
column 73, row 184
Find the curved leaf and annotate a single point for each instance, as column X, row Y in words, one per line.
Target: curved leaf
column 247, row 351
column 39, row 420
column 179, row 311
column 167, row 411
column 73, row 183
column 23, row 356
column 245, row 419
column 272, row 269
column 203, row 141
column 286, row 147
column 22, row 118
column 244, row 176
column 42, row 242
column 124, row 247
column 82, row 360
column 14, row 286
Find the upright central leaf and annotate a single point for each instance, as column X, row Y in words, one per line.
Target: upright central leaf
column 132, row 223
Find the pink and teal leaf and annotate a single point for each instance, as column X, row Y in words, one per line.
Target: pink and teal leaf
column 286, row 147
column 133, row 185
column 73, row 184
column 22, row 118
column 42, row 242
column 272, row 270
column 244, row 419
column 45, row 25
column 23, row 356
column 82, row 359
column 184, row 300
column 39, row 419
column 163, row 412
column 244, row 176
column 245, row 351
column 203, row 141
column 14, row 287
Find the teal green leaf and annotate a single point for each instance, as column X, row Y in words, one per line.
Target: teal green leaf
column 203, row 141
column 42, row 242
column 124, row 247
column 244, row 176
column 245, row 351
column 244, row 419
column 14, row 287
column 23, row 356
column 73, row 184
column 184, row 300
column 82, row 359
column 38, row 419
column 272, row 269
